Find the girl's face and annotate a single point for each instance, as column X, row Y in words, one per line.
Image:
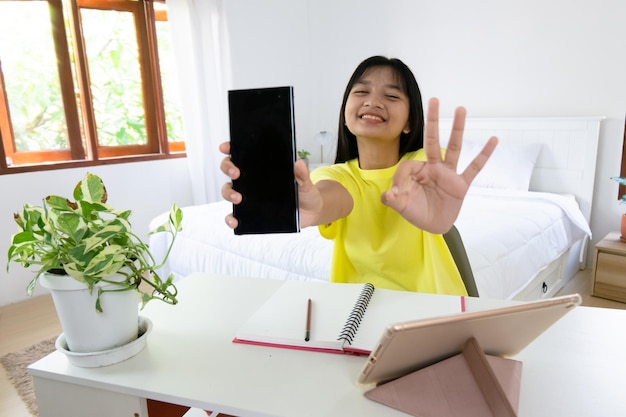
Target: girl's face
column 377, row 107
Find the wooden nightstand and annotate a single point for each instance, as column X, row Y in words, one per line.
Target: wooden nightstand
column 609, row 268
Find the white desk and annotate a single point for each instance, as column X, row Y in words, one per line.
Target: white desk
column 576, row 368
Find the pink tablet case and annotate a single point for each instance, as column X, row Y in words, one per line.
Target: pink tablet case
column 470, row 384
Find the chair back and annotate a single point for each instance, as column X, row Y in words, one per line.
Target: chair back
column 457, row 249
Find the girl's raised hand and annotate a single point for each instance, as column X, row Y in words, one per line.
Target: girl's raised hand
column 429, row 194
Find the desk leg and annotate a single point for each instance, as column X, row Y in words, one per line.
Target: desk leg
column 60, row 399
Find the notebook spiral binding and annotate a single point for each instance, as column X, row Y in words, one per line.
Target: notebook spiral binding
column 358, row 311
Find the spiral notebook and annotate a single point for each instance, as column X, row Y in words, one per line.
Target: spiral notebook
column 342, row 318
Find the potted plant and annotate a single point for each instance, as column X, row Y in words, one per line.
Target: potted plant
column 89, row 257
column 304, row 155
column 622, row 181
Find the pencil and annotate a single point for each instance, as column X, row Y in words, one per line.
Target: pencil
column 307, row 329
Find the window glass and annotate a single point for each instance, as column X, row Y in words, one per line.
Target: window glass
column 115, row 77
column 171, row 99
column 31, row 76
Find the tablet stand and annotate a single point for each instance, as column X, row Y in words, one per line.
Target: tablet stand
column 470, row 384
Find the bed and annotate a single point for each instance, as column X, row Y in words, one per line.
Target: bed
column 524, row 222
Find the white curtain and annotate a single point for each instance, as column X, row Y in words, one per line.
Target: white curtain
column 201, row 50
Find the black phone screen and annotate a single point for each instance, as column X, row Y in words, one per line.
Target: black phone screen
column 262, row 145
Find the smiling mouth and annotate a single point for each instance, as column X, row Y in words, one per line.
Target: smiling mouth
column 372, row 117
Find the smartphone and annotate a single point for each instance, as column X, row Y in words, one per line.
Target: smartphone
column 263, row 147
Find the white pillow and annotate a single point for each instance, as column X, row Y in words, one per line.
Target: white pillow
column 509, row 167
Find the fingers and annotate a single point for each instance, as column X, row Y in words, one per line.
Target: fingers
column 227, row 166
column 231, row 221
column 393, row 198
column 456, row 138
column 229, row 194
column 406, row 172
column 231, row 170
column 432, row 145
column 225, row 148
column 480, row 160
column 301, row 173
column 431, row 139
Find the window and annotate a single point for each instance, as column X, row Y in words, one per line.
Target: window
column 86, row 82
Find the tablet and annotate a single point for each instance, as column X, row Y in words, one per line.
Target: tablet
column 409, row 346
column 263, row 146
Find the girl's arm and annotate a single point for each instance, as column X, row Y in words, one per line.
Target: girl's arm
column 320, row 203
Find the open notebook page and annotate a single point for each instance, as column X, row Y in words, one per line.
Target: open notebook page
column 281, row 320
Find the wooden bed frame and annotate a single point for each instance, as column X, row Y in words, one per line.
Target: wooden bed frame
column 566, row 165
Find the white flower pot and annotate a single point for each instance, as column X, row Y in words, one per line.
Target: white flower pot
column 84, row 329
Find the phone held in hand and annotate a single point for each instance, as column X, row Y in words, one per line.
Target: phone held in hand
column 263, row 147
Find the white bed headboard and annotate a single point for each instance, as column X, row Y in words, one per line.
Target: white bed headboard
column 567, row 161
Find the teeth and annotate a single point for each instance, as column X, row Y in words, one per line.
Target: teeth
column 372, row 117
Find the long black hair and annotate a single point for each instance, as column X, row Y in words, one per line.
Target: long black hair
column 412, row 141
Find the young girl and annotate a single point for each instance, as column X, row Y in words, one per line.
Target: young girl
column 391, row 193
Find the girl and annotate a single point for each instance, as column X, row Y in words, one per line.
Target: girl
column 391, row 192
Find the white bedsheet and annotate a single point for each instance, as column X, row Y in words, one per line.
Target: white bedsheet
column 206, row 244
column 509, row 236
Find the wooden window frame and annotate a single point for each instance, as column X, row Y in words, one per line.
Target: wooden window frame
column 91, row 152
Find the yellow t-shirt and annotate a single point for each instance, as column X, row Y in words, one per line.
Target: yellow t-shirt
column 376, row 244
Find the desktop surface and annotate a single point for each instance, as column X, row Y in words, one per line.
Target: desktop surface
column 576, row 368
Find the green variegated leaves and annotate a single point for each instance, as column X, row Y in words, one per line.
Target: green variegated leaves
column 89, row 241
column 91, row 189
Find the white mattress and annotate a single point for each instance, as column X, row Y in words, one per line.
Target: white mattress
column 510, row 236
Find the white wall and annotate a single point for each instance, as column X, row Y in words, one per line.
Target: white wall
column 502, row 59
column 146, row 188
